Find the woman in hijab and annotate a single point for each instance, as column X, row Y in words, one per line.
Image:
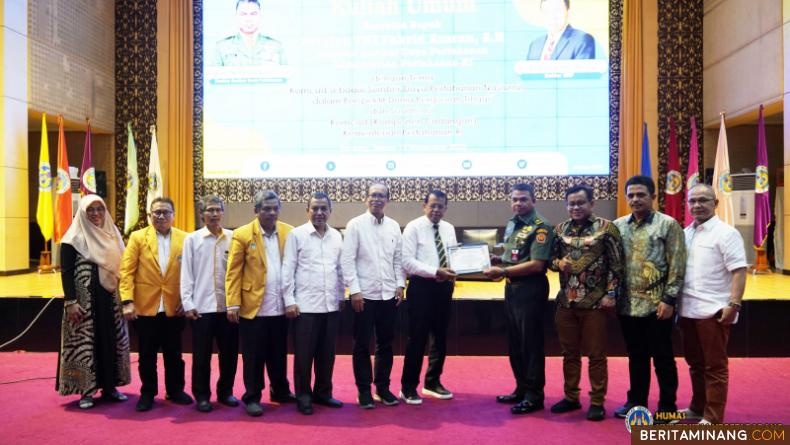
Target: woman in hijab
column 94, row 350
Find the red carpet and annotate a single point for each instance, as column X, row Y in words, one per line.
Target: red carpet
column 34, row 413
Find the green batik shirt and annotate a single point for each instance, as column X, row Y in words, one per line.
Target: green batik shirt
column 655, row 263
column 232, row 51
column 527, row 237
column 596, row 252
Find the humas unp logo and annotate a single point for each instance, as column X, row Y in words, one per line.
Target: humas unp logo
column 638, row 415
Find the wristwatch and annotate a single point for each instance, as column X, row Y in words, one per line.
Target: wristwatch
column 736, row 306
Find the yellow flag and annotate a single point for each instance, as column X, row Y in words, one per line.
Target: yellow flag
column 44, row 212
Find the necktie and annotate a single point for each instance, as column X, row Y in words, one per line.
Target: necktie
column 549, row 49
column 437, row 239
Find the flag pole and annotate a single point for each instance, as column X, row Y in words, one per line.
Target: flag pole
column 45, row 260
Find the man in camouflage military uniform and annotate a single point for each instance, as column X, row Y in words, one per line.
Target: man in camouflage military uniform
column 248, row 47
column 528, row 239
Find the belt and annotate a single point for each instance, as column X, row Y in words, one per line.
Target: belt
column 524, row 279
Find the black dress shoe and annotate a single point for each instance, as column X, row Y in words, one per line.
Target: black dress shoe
column 565, row 406
column 114, row 396
column 305, row 408
column 526, row 407
column 230, row 400
column 365, row 400
column 145, row 403
column 510, row 398
column 623, row 410
column 181, row 398
column 596, row 413
column 282, row 398
column 254, row 409
column 204, row 406
column 330, row 402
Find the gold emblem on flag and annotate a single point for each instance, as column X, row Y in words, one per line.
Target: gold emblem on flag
column 674, row 182
column 692, row 181
column 64, row 182
column 761, row 179
column 725, row 182
column 44, row 178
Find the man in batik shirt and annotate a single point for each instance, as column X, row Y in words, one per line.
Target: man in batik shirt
column 588, row 253
column 655, row 264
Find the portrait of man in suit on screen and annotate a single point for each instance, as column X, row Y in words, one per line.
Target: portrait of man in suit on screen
column 248, row 46
column 561, row 41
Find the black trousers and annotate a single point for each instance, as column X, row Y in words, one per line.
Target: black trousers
column 646, row 338
column 314, row 344
column 428, row 304
column 378, row 316
column 525, row 305
column 205, row 330
column 155, row 333
column 264, row 345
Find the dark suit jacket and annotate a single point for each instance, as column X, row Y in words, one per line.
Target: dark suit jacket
column 573, row 44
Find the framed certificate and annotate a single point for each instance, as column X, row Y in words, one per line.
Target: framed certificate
column 468, row 258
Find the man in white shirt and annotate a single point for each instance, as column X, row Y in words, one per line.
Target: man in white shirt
column 373, row 273
column 430, row 292
column 253, row 285
column 313, row 291
column 204, row 259
column 709, row 303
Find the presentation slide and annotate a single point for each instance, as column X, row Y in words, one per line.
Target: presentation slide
column 361, row 88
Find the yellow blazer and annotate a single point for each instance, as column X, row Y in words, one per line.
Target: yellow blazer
column 141, row 276
column 246, row 275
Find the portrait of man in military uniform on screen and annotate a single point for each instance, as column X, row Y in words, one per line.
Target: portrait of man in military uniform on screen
column 248, row 46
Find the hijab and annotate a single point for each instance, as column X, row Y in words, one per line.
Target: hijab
column 101, row 245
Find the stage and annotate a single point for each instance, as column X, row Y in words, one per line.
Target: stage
column 476, row 328
column 34, row 413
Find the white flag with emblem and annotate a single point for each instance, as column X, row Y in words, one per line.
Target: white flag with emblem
column 722, row 182
column 154, row 172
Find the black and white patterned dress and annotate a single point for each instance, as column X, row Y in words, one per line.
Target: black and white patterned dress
column 94, row 354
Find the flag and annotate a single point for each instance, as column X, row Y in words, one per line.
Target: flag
column 673, row 199
column 762, row 205
column 87, row 173
column 62, row 187
column 646, row 169
column 722, row 182
column 44, row 207
column 132, row 212
column 692, row 175
column 154, row 172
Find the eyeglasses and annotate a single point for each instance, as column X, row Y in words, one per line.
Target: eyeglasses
column 213, row 210
column 162, row 213
column 699, row 201
column 95, row 210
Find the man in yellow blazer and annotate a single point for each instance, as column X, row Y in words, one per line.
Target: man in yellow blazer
column 150, row 291
column 254, row 299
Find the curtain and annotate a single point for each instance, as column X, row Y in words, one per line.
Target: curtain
column 178, row 177
column 631, row 100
